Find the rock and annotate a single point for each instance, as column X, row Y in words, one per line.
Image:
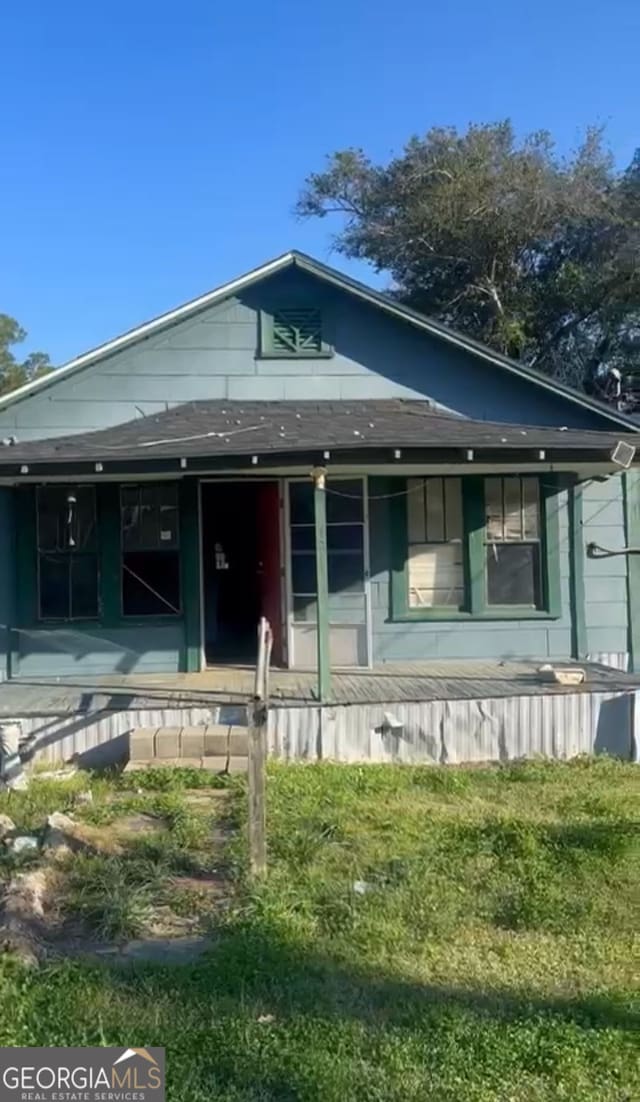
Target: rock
column 84, row 797
column 23, row 843
column 7, row 826
column 361, row 887
column 59, row 821
column 22, row 916
column 58, row 836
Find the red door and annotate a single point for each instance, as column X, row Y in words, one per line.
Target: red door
column 270, row 561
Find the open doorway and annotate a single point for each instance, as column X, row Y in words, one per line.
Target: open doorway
column 240, row 568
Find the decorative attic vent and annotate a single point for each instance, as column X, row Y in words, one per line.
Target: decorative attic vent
column 297, row 331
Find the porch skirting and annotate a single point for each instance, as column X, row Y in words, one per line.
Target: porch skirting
column 432, row 732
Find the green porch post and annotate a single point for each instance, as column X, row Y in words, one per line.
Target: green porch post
column 190, row 555
column 631, row 498
column 576, row 577
column 322, row 583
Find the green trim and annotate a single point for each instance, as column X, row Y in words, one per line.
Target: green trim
column 399, row 544
column 322, row 586
column 551, row 504
column 475, row 551
column 190, row 574
column 475, row 573
column 575, row 503
column 631, row 501
column 108, row 506
column 26, row 557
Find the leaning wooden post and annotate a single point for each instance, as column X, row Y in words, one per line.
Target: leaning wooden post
column 319, row 476
column 257, row 755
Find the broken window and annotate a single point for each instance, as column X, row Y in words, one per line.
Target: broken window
column 435, row 553
column 150, row 542
column 67, row 553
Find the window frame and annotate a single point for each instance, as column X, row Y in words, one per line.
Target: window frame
column 475, row 604
column 266, row 343
column 174, row 549
column 68, row 555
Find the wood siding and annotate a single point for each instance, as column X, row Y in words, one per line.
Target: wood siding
column 217, row 355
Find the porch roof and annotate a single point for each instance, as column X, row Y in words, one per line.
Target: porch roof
column 232, row 432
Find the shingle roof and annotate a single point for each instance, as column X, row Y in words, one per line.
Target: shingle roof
column 225, row 428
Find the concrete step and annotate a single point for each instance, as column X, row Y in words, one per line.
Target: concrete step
column 168, row 745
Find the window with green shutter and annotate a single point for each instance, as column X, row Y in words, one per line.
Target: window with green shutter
column 294, row 331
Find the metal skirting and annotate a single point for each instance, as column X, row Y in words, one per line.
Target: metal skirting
column 436, row 731
column 99, row 738
column 617, row 660
column 456, row 731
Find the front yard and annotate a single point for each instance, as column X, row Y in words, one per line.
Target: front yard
column 424, row 935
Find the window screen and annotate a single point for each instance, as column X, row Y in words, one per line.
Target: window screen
column 513, row 541
column 67, row 553
column 435, row 553
column 149, row 528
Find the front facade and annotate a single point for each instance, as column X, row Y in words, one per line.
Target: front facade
column 154, row 544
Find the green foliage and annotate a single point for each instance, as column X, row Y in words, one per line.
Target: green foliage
column 531, row 253
column 13, row 372
column 112, row 895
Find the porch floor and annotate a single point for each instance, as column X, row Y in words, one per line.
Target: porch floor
column 409, row 681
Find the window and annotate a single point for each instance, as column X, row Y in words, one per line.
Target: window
column 150, row 549
column 513, row 541
column 294, row 331
column 67, row 553
column 435, row 561
column 345, row 543
column 475, row 547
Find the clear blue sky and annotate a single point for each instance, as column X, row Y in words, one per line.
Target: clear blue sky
column 151, row 150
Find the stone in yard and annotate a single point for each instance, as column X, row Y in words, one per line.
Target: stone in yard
column 58, row 836
column 23, row 918
column 84, row 797
column 7, row 826
column 23, row 843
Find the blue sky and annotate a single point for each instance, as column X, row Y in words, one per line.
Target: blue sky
column 151, row 150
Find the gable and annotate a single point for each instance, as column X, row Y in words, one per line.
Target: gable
column 214, row 352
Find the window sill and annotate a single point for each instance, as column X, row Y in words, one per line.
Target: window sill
column 444, row 615
column 106, row 625
column 323, row 354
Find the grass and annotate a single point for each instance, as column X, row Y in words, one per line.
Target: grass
column 491, row 958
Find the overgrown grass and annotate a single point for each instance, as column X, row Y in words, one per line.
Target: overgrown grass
column 492, row 956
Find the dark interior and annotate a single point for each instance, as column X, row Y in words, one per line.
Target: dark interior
column 239, row 569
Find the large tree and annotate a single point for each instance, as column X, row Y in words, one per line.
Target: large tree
column 534, row 254
column 15, row 372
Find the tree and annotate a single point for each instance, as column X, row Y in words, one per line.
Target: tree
column 13, row 372
column 533, row 254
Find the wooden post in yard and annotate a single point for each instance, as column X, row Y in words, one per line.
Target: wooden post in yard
column 319, row 476
column 257, row 754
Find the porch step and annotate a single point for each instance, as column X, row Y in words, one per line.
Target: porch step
column 213, row 747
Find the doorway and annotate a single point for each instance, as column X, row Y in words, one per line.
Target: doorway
column 241, row 571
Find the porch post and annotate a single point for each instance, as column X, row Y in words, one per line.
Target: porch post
column 319, row 475
column 631, row 500
column 190, row 556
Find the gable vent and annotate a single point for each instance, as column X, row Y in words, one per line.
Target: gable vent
column 297, row 330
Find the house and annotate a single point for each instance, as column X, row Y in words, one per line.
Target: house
column 156, row 496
